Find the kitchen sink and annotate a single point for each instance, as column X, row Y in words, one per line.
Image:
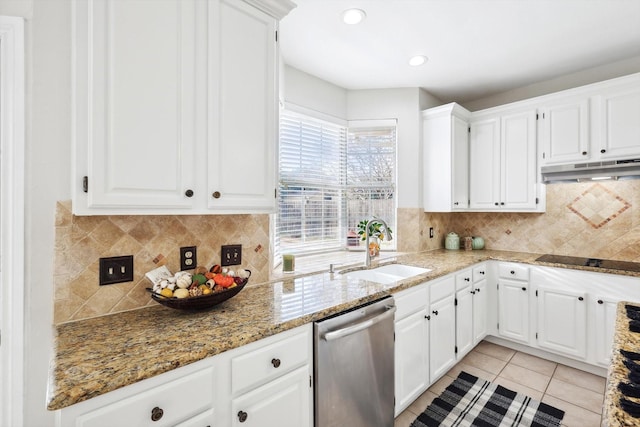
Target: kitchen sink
column 387, row 273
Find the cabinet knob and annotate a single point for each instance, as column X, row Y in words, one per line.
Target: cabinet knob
column 481, row 272
column 580, row 299
column 242, row 416
column 188, row 193
column 473, row 292
column 216, row 194
column 600, row 301
column 524, row 289
column 456, row 203
column 478, row 290
column 466, row 279
column 603, row 151
column 584, row 153
column 156, row 414
column 496, row 203
column 427, row 317
column 275, row 363
column 502, row 203
column 512, row 272
column 435, row 312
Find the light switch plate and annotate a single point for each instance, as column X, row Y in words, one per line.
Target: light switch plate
column 231, row 255
column 116, row 269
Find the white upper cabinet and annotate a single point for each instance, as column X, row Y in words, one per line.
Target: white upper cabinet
column 243, row 114
column 502, row 161
column 619, row 113
column 564, row 131
column 174, row 107
column 446, row 158
column 134, row 103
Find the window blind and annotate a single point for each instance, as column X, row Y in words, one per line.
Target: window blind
column 312, row 162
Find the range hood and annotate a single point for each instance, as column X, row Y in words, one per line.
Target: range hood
column 613, row 169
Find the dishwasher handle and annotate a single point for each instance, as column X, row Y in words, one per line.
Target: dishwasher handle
column 334, row 335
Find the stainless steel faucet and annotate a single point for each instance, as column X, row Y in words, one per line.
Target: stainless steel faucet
column 387, row 236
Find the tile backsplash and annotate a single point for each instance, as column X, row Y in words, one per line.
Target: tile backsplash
column 82, row 240
column 599, row 220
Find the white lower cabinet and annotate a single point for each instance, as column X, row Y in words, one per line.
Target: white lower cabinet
column 605, row 310
column 513, row 310
column 283, row 402
column 411, row 346
column 464, row 321
column 562, row 321
column 442, row 327
column 265, row 383
column 480, row 310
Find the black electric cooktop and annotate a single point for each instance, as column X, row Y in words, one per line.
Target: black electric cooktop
column 591, row 262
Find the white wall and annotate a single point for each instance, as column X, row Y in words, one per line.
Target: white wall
column 305, row 90
column 569, row 81
column 404, row 105
column 47, row 158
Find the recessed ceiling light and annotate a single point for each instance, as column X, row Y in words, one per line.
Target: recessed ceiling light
column 417, row 60
column 353, row 16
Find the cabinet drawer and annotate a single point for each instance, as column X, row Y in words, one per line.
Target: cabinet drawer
column 513, row 271
column 442, row 288
column 411, row 300
column 269, row 362
column 479, row 273
column 178, row 400
column 463, row 280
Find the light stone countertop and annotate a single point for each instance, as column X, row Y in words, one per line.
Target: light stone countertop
column 92, row 357
column 624, row 339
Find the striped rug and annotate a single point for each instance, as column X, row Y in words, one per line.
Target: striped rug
column 471, row 401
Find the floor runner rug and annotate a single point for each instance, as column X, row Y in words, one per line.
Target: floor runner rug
column 472, row 401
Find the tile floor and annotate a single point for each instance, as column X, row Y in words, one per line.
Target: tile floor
column 579, row 394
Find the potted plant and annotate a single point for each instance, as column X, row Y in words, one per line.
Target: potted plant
column 376, row 233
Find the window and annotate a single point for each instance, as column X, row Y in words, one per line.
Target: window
column 331, row 177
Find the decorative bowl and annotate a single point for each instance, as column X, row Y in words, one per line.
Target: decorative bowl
column 201, row 302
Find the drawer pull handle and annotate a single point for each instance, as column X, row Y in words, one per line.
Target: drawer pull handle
column 216, row 194
column 275, row 363
column 524, row 289
column 242, row 416
column 156, row 414
column 600, row 301
column 188, row 193
column 435, row 312
column 580, row 299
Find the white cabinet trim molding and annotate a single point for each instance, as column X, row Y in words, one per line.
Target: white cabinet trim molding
column 12, row 135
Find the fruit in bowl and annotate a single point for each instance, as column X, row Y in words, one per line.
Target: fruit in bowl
column 184, row 284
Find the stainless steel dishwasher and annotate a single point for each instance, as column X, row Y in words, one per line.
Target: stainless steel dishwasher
column 354, row 363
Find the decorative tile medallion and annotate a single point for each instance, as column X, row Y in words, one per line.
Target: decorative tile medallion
column 598, row 205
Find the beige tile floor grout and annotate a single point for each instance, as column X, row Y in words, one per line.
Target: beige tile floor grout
column 580, row 394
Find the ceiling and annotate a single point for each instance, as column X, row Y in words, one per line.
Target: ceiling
column 476, row 48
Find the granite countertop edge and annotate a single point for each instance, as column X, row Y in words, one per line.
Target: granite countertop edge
column 94, row 356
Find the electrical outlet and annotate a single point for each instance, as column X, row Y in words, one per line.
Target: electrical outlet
column 431, row 232
column 116, row 269
column 188, row 258
column 231, row 255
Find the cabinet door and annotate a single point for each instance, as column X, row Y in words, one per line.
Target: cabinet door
column 460, row 173
column 411, row 359
column 442, row 337
column 605, row 310
column 620, row 124
column 513, row 310
column 284, row 402
column 464, row 321
column 565, row 132
column 518, row 161
column 242, row 108
column 134, row 106
column 480, row 301
column 484, row 166
column 562, row 321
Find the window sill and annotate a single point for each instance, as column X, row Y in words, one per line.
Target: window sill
column 320, row 263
